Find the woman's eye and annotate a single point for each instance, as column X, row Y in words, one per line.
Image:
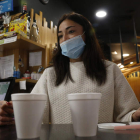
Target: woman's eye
column 60, row 36
column 71, row 31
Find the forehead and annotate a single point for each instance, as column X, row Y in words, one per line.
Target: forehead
column 67, row 23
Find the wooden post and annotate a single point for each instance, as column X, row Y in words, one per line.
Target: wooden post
column 32, row 16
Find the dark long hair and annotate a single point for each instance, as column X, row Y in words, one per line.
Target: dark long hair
column 91, row 57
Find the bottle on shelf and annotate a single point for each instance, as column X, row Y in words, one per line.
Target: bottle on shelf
column 18, row 73
column 27, row 75
column 34, row 33
column 28, row 26
column 14, row 73
column 24, row 10
column 19, row 61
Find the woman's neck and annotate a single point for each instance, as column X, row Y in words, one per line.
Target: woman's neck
column 76, row 60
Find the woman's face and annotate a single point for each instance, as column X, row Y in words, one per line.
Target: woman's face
column 69, row 29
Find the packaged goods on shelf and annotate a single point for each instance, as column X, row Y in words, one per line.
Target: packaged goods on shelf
column 4, row 27
column 7, row 19
column 19, row 26
column 34, row 33
column 8, row 35
column 28, row 26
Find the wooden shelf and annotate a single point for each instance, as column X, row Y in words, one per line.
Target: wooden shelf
column 27, row 80
column 128, row 59
column 22, row 43
column 31, row 81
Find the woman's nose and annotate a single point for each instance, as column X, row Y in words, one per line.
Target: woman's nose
column 65, row 37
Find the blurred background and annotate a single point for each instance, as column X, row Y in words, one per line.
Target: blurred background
column 122, row 20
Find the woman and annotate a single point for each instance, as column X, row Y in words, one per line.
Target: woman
column 80, row 67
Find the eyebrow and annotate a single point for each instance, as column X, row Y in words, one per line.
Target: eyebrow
column 66, row 28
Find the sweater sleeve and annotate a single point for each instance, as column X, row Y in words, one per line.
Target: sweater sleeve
column 125, row 101
column 41, row 88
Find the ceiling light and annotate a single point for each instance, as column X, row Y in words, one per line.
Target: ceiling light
column 114, row 52
column 101, row 14
column 122, row 66
column 119, row 64
column 131, row 62
column 125, row 54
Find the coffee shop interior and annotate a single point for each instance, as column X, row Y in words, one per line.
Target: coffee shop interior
column 26, row 53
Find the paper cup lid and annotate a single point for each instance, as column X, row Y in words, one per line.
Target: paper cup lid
column 81, row 96
column 134, row 123
column 27, row 96
column 110, row 125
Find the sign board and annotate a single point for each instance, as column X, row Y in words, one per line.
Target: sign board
column 6, row 6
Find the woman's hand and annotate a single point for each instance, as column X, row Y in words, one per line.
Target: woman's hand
column 6, row 113
column 136, row 116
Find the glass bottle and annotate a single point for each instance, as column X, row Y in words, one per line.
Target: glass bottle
column 24, row 10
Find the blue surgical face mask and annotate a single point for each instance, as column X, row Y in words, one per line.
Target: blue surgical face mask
column 74, row 47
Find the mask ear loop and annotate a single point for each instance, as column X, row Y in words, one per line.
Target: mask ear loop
column 83, row 33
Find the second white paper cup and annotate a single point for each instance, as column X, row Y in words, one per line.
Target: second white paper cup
column 84, row 110
column 28, row 112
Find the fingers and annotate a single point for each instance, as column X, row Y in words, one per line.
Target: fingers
column 7, row 107
column 6, row 111
column 9, row 111
column 6, row 119
column 7, row 123
column 10, row 104
column 1, row 103
column 136, row 115
column 139, row 108
column 3, row 113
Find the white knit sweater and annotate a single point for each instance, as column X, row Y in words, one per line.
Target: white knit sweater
column 118, row 101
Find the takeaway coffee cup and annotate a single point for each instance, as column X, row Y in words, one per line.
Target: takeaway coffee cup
column 28, row 112
column 84, row 110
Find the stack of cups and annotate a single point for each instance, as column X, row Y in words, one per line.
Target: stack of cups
column 28, row 112
column 84, row 110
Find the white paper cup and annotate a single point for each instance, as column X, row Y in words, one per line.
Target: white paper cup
column 84, row 110
column 28, row 112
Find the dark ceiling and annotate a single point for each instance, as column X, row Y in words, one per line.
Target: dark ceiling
column 120, row 14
